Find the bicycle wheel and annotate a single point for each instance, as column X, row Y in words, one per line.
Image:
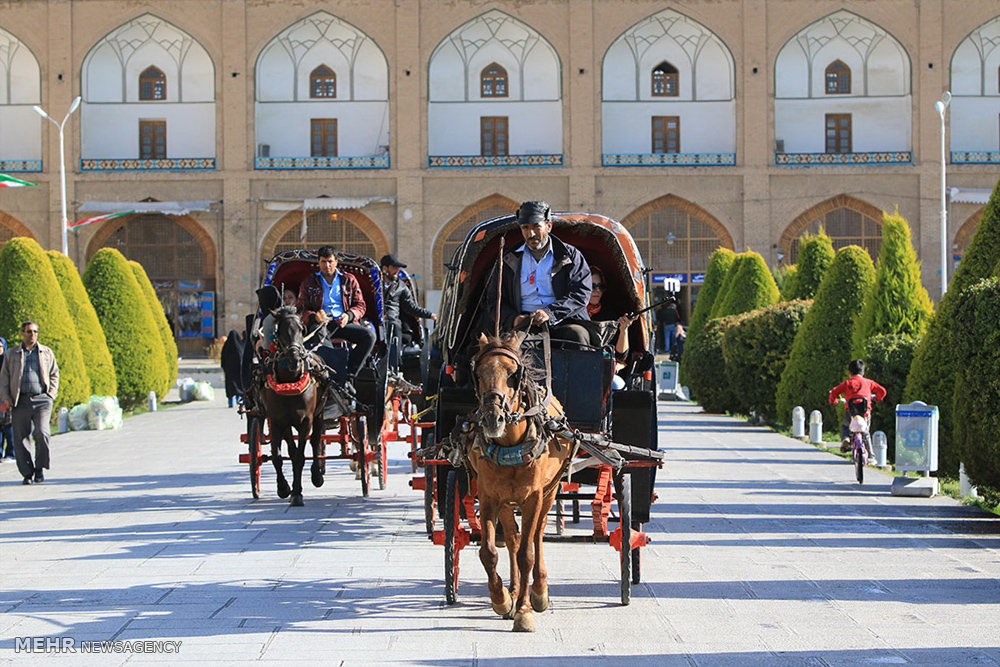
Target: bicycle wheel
column 859, row 458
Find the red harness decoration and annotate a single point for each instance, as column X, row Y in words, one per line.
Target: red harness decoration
column 289, row 388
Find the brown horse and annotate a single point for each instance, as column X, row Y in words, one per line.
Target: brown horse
column 515, row 468
column 293, row 398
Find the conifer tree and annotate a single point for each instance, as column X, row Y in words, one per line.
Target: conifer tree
column 815, row 255
column 715, row 276
column 751, row 287
column 162, row 326
column 727, row 285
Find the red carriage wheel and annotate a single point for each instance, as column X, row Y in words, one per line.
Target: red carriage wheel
column 382, row 462
column 254, row 437
column 625, row 512
column 362, row 447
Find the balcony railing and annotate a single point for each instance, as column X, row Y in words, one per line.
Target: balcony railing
column 336, row 162
column 161, row 164
column 975, row 157
column 817, row 159
column 465, row 161
column 667, row 159
column 10, row 166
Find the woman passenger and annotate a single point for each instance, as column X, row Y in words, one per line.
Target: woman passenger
column 595, row 308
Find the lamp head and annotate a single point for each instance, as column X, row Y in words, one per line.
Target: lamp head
column 946, row 98
column 940, row 106
column 73, row 107
column 40, row 111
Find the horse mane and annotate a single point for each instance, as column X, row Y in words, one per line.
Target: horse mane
column 509, row 342
column 286, row 311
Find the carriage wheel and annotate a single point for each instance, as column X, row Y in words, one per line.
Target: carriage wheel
column 429, row 500
column 636, row 557
column 452, row 502
column 362, row 446
column 253, row 443
column 381, row 462
column 625, row 512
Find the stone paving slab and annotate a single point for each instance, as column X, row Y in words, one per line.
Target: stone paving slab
column 765, row 551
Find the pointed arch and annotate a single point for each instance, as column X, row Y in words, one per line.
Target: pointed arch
column 493, row 81
column 151, row 240
column 11, row 227
column 966, row 231
column 453, row 233
column 664, row 80
column 838, row 78
column 975, row 62
column 17, row 56
column 344, row 229
column 845, row 219
column 322, row 83
column 152, row 84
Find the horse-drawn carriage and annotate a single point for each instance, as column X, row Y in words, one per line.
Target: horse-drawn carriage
column 611, row 434
column 358, row 424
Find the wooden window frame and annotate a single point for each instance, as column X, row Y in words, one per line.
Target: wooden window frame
column 837, row 118
column 494, row 134
column 156, row 80
column 156, row 128
column 670, row 81
column 323, row 125
column 488, row 81
column 838, row 74
column 666, row 132
column 318, row 82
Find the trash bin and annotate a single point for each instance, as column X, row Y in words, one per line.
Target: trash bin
column 666, row 378
column 917, row 437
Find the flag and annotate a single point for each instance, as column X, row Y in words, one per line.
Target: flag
column 11, row 182
column 99, row 218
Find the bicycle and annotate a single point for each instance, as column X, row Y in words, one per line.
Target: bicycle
column 857, row 408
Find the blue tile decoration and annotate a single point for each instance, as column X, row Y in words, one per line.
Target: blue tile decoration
column 336, row 162
column 21, row 166
column 135, row 164
column 975, row 157
column 667, row 159
column 460, row 161
column 817, row 159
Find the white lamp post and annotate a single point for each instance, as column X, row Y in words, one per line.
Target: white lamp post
column 942, row 106
column 62, row 165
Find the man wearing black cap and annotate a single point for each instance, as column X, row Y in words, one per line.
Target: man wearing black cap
column 398, row 299
column 544, row 280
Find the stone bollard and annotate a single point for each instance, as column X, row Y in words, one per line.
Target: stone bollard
column 63, row 420
column 816, row 427
column 881, row 446
column 151, row 401
column 799, row 422
column 965, row 488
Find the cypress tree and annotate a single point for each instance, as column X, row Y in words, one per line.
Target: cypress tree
column 128, row 324
column 727, row 286
column 933, row 372
column 29, row 291
column 96, row 356
column 163, row 327
column 815, row 255
column 822, row 346
column 715, row 276
column 898, row 302
column 752, row 286
column 784, row 278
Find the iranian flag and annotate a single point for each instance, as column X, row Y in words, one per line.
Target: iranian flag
column 11, row 182
column 99, row 218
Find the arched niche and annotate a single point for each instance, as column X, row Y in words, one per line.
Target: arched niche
column 11, row 227
column 675, row 235
column 453, row 234
column 966, row 231
column 845, row 219
column 344, row 229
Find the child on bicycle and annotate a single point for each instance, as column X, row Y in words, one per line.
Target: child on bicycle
column 854, row 388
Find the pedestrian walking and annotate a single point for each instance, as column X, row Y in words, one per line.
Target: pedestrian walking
column 29, row 382
column 6, row 435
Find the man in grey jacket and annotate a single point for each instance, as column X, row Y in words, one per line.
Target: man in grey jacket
column 29, row 381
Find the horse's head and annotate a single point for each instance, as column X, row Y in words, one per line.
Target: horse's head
column 499, row 374
column 288, row 338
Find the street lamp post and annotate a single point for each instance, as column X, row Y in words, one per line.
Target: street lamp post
column 942, row 106
column 62, row 165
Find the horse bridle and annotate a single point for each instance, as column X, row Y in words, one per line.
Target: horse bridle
column 495, row 398
column 295, row 352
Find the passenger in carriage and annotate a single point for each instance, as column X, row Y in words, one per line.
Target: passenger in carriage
column 619, row 333
column 543, row 280
column 332, row 299
column 398, row 300
column 289, row 298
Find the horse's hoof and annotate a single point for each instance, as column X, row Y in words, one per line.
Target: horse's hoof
column 524, row 622
column 505, row 607
column 539, row 602
column 297, row 500
column 317, row 477
column 283, row 489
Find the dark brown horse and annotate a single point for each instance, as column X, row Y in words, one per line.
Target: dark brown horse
column 516, row 467
column 294, row 399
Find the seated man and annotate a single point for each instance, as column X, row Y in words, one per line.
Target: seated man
column 333, row 299
column 543, row 280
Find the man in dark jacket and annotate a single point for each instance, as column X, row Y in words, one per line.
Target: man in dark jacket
column 543, row 280
column 397, row 300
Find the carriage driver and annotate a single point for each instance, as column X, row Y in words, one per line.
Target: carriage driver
column 544, row 280
column 333, row 299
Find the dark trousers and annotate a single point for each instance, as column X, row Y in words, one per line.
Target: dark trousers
column 362, row 339
column 7, row 440
column 573, row 333
column 32, row 410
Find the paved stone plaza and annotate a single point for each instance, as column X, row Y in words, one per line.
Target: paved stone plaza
column 765, row 551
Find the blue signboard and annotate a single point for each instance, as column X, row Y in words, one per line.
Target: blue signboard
column 658, row 277
column 697, row 278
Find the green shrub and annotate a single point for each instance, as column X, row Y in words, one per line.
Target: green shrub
column 29, row 291
column 815, row 255
column 163, row 327
column 96, row 356
column 718, row 266
column 898, row 302
column 128, row 324
column 756, row 347
column 752, row 286
column 822, row 347
column 932, row 374
column 784, row 278
column 706, row 375
column 887, row 361
column 977, row 388
column 727, row 286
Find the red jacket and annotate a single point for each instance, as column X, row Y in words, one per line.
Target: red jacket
column 311, row 297
column 858, row 385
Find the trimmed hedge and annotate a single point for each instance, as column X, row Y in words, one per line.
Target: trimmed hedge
column 707, row 368
column 932, row 375
column 128, row 325
column 887, row 361
column 163, row 327
column 815, row 256
column 752, row 286
column 898, row 302
column 784, row 278
column 727, row 286
column 822, row 347
column 96, row 356
column 29, row 291
column 976, row 339
column 718, row 266
column 756, row 347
